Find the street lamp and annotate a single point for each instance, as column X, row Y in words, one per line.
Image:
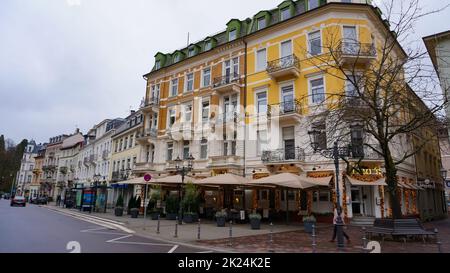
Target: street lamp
column 335, row 153
column 183, row 171
column 94, row 191
column 444, row 174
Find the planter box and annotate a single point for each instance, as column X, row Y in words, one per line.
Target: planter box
column 118, row 211
column 308, row 226
column 155, row 216
column 134, row 213
column 255, row 223
column 171, row 216
column 221, row 221
column 189, row 218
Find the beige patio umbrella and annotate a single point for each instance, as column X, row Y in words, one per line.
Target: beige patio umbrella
column 228, row 179
column 288, row 180
column 174, row 179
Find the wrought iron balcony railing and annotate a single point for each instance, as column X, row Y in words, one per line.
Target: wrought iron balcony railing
column 227, row 79
column 283, row 155
column 290, row 61
column 360, row 151
column 357, row 49
column 153, row 101
column 285, row 108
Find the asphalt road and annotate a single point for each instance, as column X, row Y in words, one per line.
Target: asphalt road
column 36, row 229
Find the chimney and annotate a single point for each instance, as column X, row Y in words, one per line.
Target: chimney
column 133, row 111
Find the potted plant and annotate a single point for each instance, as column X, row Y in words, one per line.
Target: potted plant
column 118, row 211
column 134, row 212
column 255, row 220
column 221, row 217
column 171, row 207
column 131, row 204
column 190, row 203
column 308, row 222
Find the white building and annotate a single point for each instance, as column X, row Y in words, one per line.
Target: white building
column 25, row 174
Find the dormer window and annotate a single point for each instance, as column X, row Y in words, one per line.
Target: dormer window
column 208, row 45
column 176, row 59
column 285, row 13
column 191, row 52
column 261, row 23
column 232, row 35
column 312, row 4
column 158, row 64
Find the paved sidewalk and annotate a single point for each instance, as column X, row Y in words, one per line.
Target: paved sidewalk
column 285, row 238
column 187, row 233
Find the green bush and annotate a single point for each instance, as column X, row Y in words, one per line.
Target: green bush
column 255, row 216
column 119, row 203
column 190, row 201
column 138, row 202
column 172, row 205
column 221, row 214
column 309, row 219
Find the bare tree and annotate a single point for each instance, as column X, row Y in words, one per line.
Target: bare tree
column 390, row 91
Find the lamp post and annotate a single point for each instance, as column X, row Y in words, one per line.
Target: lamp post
column 335, row 153
column 444, row 183
column 183, row 171
column 94, row 191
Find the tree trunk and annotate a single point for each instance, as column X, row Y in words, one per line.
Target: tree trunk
column 391, row 180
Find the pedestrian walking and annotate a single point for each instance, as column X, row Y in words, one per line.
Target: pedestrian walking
column 58, row 200
column 335, row 226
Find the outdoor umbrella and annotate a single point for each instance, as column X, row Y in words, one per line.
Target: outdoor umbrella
column 223, row 180
column 286, row 180
column 174, row 179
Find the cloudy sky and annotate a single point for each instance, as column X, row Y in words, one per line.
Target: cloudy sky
column 68, row 63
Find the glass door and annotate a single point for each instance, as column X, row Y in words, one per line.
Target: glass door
column 288, row 99
column 356, row 201
column 350, row 43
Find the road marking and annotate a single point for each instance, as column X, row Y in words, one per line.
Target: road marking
column 173, row 249
column 92, row 216
column 120, row 238
column 97, row 222
column 205, row 252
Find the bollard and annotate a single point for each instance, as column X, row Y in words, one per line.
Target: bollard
column 198, row 230
column 271, row 238
column 230, row 243
column 364, row 239
column 157, row 227
column 176, row 228
column 314, row 245
column 438, row 242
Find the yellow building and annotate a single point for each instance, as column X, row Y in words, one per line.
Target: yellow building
column 243, row 101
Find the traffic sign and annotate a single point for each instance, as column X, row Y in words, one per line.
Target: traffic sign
column 147, row 177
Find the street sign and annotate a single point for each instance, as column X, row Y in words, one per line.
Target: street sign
column 147, row 177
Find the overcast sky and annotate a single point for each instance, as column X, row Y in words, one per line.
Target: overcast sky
column 68, row 63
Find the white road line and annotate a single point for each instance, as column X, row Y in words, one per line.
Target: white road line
column 119, row 238
column 93, row 229
column 97, row 222
column 173, row 249
column 205, row 252
column 92, row 216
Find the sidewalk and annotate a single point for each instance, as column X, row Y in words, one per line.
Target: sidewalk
column 285, row 238
column 187, row 233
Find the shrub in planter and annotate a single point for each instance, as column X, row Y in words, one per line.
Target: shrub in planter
column 190, row 203
column 221, row 217
column 172, row 207
column 118, row 211
column 255, row 220
column 131, row 204
column 134, row 212
column 308, row 222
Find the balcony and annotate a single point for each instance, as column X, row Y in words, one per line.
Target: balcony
column 150, row 105
column 86, row 161
column 63, row 170
column 227, row 161
column 227, row 84
column 284, row 68
column 283, row 156
column 49, row 168
column 353, row 53
column 288, row 111
column 105, row 154
column 143, row 167
column 37, row 171
column 146, row 136
column 364, row 153
column 180, row 132
column 116, row 176
column 93, row 159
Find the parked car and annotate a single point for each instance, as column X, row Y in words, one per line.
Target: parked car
column 18, row 200
column 40, row 201
column 7, row 196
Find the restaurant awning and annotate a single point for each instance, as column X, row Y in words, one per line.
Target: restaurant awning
column 355, row 182
column 290, row 180
column 134, row 181
column 223, row 180
column 174, row 179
